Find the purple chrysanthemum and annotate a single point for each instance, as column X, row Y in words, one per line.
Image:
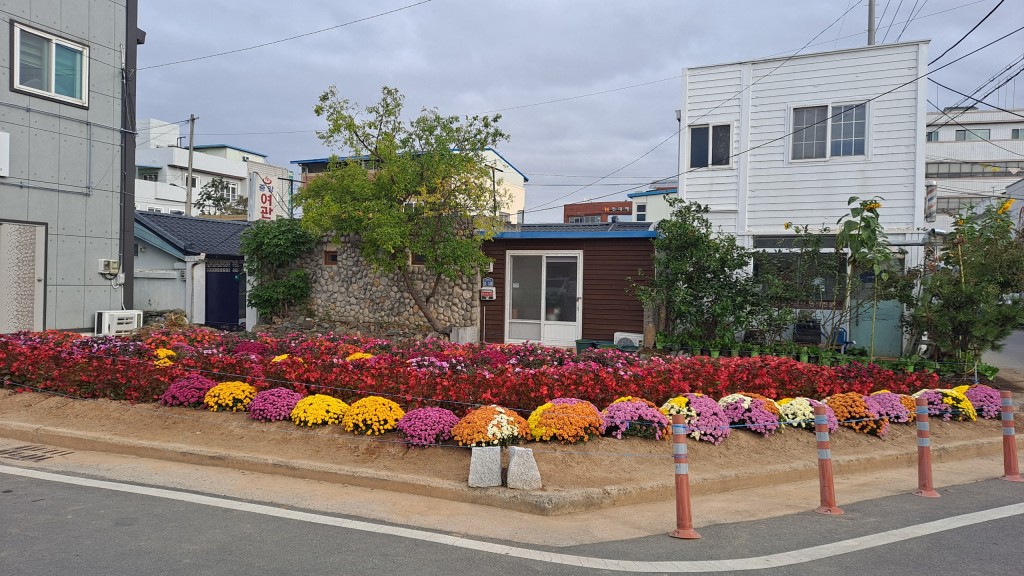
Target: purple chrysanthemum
column 888, row 405
column 427, row 426
column 633, row 418
column 274, row 405
column 751, row 415
column 985, row 400
column 187, row 391
column 710, row 423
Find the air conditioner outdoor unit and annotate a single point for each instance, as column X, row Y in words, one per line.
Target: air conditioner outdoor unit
column 628, row 339
column 117, row 322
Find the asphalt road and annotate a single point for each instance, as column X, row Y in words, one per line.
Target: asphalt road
column 49, row 527
column 1011, row 357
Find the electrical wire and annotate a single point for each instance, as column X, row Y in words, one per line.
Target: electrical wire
column 271, row 43
column 772, row 141
column 976, row 100
column 957, row 43
column 894, row 14
column 978, row 136
column 702, row 116
column 929, row 15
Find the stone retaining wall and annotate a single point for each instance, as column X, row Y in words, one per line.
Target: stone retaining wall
column 352, row 293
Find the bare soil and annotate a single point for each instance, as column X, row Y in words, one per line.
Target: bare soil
column 604, row 464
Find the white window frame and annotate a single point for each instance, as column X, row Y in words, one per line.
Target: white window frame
column 932, row 136
column 965, row 135
column 53, row 41
column 149, row 176
column 1017, row 134
column 155, row 209
column 232, row 190
column 790, row 127
column 711, row 131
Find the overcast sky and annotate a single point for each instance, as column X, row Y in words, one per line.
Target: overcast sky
column 517, row 56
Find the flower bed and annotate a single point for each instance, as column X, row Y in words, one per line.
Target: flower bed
column 312, row 381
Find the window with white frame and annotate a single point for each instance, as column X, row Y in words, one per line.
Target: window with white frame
column 50, row 66
column 710, row 145
column 231, row 190
column 933, row 136
column 195, row 182
column 1017, row 134
column 972, row 134
column 584, row 219
column 149, row 176
column 156, row 209
column 821, row 132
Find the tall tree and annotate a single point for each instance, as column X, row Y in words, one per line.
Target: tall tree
column 701, row 279
column 418, row 187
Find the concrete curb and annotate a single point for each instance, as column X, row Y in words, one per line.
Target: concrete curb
column 545, row 502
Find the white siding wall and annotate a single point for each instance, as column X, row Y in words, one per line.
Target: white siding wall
column 764, row 187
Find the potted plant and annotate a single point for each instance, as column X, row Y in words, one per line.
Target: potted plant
column 803, row 355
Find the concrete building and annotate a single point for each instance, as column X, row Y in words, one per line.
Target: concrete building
column 67, row 146
column 972, row 156
column 162, row 169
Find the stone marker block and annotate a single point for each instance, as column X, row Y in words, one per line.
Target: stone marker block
column 485, row 467
column 522, row 469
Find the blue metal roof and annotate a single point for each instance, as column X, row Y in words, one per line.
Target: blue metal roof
column 604, row 230
column 652, row 193
column 576, row 235
column 365, row 157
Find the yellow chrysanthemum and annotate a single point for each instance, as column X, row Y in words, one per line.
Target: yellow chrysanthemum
column 280, row 358
column 163, row 353
column 1007, row 204
column 372, row 415
column 318, row 409
column 234, row 396
column 359, row 356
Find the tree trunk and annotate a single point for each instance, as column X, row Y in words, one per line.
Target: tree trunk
column 410, row 287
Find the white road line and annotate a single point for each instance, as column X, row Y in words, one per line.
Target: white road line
column 682, row 566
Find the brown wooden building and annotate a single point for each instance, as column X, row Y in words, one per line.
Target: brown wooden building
column 557, row 283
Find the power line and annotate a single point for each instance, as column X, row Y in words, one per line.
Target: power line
column 772, row 141
column 335, row 27
column 995, row 77
column 976, row 100
column 894, row 14
column 569, row 98
column 977, row 135
column 957, row 43
column 909, row 20
column 716, row 107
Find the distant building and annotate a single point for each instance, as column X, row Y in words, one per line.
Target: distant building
column 162, row 169
column 506, row 178
column 972, row 156
column 67, row 146
column 596, row 212
column 651, row 205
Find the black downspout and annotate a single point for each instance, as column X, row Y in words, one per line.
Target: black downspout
column 133, row 37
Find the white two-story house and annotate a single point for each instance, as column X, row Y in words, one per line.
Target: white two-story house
column 780, row 140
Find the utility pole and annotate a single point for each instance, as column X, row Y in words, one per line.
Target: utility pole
column 188, row 179
column 871, row 22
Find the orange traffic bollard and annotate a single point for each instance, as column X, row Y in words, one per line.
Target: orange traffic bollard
column 684, row 522
column 828, row 489
column 1010, row 470
column 924, row 452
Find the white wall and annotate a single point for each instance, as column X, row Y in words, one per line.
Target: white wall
column 159, row 284
column 763, row 189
